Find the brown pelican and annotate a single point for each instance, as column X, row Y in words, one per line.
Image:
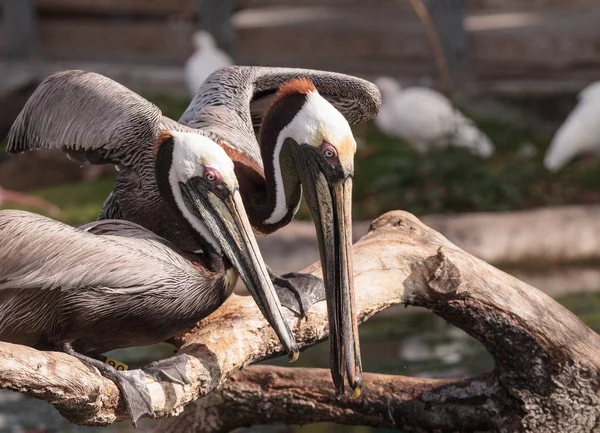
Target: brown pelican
column 306, row 146
column 64, row 288
column 305, row 141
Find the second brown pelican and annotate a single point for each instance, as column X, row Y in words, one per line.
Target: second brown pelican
column 306, row 147
column 63, row 288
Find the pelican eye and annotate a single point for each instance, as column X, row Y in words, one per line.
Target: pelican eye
column 329, row 152
column 212, row 175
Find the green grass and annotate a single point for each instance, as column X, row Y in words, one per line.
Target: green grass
column 390, row 175
column 586, row 306
column 79, row 202
column 171, row 106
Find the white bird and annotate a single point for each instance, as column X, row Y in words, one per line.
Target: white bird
column 580, row 133
column 427, row 120
column 204, row 61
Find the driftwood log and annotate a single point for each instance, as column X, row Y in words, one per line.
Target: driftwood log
column 546, row 378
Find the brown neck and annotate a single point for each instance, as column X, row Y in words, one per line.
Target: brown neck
column 258, row 187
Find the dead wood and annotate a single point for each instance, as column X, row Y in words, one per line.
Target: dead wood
column 276, row 395
column 547, row 360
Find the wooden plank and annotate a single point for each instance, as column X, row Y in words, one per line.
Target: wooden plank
column 19, row 26
column 357, row 18
column 166, row 7
column 251, row 4
column 146, row 41
column 366, row 52
column 553, row 44
column 531, row 5
column 557, row 43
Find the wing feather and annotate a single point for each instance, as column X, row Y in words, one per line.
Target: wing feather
column 232, row 101
column 43, row 254
column 88, row 115
column 245, row 88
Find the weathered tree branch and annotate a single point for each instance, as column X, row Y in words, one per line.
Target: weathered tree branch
column 547, row 360
column 276, row 395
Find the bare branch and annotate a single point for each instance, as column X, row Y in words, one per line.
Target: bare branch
column 547, row 359
column 276, row 395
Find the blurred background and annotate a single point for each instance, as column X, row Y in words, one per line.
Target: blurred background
column 480, row 89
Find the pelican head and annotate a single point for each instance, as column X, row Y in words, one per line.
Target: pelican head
column 195, row 176
column 314, row 147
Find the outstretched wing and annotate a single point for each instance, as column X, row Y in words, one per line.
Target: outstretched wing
column 232, row 102
column 43, row 254
column 90, row 116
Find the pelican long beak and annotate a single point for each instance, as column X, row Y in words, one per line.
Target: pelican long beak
column 228, row 222
column 330, row 202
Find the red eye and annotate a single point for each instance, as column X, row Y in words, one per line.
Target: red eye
column 211, row 174
column 329, row 151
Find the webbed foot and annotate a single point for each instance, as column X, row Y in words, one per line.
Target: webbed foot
column 131, row 384
column 298, row 292
column 135, row 393
column 169, row 370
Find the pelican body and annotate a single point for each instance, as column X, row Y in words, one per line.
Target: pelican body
column 115, row 284
column 122, row 288
column 306, row 148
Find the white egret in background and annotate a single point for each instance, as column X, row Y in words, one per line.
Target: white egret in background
column 427, row 120
column 580, row 133
column 204, row 61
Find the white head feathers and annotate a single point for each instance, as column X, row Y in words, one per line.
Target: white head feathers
column 316, row 122
column 193, row 152
column 319, row 121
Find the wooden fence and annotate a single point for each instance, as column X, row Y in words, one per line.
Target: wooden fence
column 537, row 42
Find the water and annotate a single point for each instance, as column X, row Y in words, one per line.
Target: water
column 407, row 342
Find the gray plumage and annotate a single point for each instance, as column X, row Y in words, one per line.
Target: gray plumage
column 119, row 123
column 97, row 120
column 232, row 102
column 125, row 284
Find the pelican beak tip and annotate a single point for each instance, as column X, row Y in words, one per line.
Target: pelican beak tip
column 294, row 357
column 356, row 392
